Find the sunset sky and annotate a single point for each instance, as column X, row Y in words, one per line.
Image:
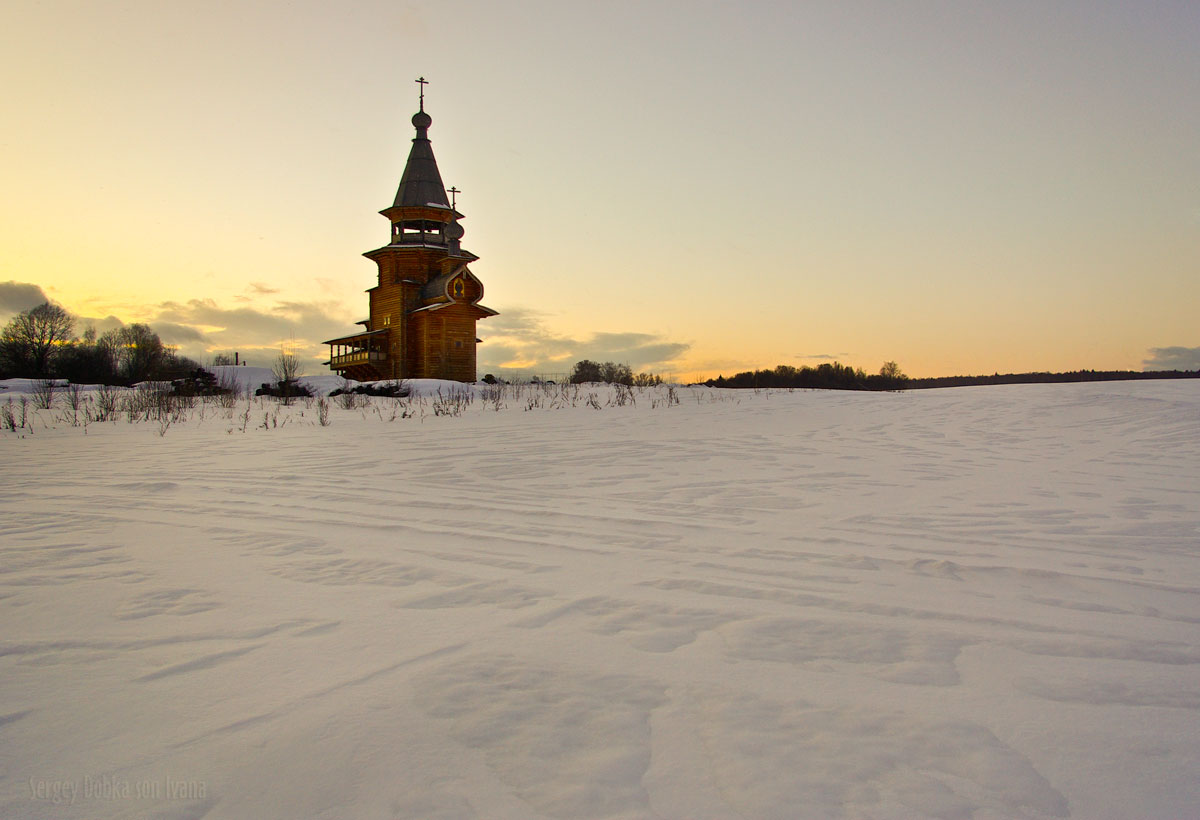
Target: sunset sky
column 690, row 187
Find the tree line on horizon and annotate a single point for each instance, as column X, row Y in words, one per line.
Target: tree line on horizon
column 1066, row 377
column 836, row 376
column 40, row 343
column 833, row 376
column 826, row 376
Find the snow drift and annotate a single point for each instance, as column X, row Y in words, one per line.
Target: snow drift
column 980, row 602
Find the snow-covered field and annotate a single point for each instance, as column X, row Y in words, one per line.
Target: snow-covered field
column 971, row 603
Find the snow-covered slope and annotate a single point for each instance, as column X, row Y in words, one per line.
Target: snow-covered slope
column 982, row 602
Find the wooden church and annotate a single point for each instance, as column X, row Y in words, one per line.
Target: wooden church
column 423, row 310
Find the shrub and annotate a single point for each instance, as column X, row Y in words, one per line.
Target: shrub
column 43, row 393
column 610, row 372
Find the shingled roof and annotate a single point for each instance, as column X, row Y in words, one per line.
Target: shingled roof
column 421, row 184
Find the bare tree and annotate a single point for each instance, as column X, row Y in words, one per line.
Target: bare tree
column 893, row 377
column 138, row 351
column 285, row 370
column 28, row 342
column 286, row 367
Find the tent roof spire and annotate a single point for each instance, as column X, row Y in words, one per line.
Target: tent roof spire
column 421, row 184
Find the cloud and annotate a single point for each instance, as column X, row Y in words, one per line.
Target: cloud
column 828, row 357
column 201, row 327
column 1172, row 358
column 176, row 334
column 517, row 341
column 261, row 289
column 638, row 350
column 100, row 325
column 16, row 297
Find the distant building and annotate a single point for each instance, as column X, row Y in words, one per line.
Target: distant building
column 423, row 311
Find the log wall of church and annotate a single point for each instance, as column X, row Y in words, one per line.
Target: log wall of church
column 436, row 344
column 444, row 344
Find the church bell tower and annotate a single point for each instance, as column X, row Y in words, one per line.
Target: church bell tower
column 424, row 307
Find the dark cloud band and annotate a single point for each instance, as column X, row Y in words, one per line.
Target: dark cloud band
column 16, row 297
column 518, row 340
column 1172, row 358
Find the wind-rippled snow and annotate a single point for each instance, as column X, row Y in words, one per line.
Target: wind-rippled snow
column 969, row 603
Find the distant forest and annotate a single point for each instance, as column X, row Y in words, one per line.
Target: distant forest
column 829, row 376
column 1035, row 378
column 40, row 343
column 835, row 376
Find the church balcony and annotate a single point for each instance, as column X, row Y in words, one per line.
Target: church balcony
column 419, row 239
column 357, row 357
column 418, row 232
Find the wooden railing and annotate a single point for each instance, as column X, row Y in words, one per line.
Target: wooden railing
column 358, row 357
